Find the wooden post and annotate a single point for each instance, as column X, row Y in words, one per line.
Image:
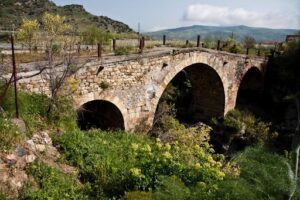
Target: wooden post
column 218, row 47
column 142, row 44
column 99, row 50
column 143, row 39
column 114, row 44
column 15, row 75
column 186, row 42
column 247, row 51
column 164, row 40
column 78, row 48
column 198, row 40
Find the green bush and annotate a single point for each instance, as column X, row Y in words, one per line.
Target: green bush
column 49, row 183
column 117, row 162
column 62, row 114
column 32, row 108
column 263, row 175
column 104, row 85
column 123, row 51
column 245, row 126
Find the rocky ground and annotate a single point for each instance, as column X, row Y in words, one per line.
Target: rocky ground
column 13, row 165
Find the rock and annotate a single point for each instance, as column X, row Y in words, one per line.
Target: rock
column 20, row 124
column 19, row 177
column 21, row 151
column 46, row 139
column 4, row 175
column 11, row 157
column 10, row 162
column 30, row 158
column 30, row 144
column 40, row 147
column 52, row 152
column 42, row 138
column 2, row 166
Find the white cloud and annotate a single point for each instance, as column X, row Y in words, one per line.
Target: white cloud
column 224, row 16
column 156, row 28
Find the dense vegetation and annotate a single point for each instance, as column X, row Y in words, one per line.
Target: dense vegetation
column 182, row 165
column 13, row 11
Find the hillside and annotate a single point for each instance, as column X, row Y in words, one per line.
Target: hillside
column 191, row 32
column 12, row 12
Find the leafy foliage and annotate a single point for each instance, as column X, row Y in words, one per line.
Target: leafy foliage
column 94, row 35
column 239, row 129
column 49, row 183
column 264, row 175
column 28, row 32
column 117, row 162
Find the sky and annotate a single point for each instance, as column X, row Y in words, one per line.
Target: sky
column 155, row 15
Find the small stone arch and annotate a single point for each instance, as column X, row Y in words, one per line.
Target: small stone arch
column 108, row 107
column 197, row 63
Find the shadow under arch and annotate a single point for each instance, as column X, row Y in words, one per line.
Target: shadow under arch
column 100, row 114
column 207, row 98
column 250, row 89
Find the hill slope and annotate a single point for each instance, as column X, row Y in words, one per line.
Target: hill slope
column 191, row 32
column 12, row 12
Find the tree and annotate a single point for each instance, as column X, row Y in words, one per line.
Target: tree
column 284, row 86
column 28, row 32
column 60, row 39
column 95, row 35
column 249, row 42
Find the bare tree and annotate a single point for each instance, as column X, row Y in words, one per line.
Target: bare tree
column 249, row 41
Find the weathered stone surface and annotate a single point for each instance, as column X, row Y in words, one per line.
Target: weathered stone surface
column 20, row 124
column 136, row 83
column 13, row 166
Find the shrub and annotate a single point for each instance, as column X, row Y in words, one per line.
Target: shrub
column 123, row 50
column 104, row 85
column 49, row 183
column 264, row 175
column 117, row 162
column 32, row 108
column 244, row 126
column 62, row 114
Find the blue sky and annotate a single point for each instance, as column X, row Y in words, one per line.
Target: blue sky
column 160, row 14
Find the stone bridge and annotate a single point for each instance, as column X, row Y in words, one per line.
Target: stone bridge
column 124, row 91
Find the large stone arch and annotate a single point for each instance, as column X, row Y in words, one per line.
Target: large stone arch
column 114, row 101
column 215, row 66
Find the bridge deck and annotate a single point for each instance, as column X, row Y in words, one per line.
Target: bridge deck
column 153, row 53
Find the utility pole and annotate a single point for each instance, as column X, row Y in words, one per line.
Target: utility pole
column 14, row 73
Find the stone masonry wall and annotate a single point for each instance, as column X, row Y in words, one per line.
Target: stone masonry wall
column 136, row 83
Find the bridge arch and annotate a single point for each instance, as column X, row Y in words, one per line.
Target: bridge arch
column 102, row 113
column 250, row 86
column 209, row 88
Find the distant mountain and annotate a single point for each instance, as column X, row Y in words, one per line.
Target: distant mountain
column 12, row 12
column 212, row 32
